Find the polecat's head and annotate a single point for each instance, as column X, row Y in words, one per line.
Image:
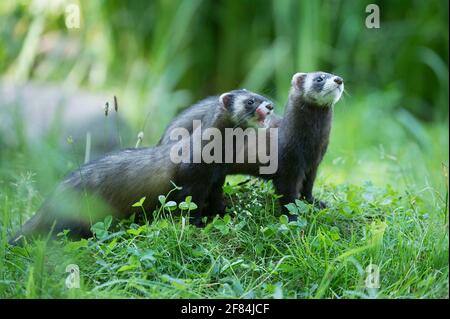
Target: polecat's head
column 321, row 88
column 246, row 108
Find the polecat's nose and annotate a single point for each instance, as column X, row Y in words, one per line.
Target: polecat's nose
column 338, row 80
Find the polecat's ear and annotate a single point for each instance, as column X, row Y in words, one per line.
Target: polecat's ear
column 227, row 100
column 298, row 80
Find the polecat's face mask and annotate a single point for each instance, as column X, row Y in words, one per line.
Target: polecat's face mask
column 320, row 88
column 248, row 108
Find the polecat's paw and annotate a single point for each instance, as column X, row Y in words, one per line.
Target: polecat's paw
column 317, row 203
column 198, row 222
column 216, row 208
column 220, row 209
column 320, row 204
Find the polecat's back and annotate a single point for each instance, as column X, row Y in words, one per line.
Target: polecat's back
column 185, row 119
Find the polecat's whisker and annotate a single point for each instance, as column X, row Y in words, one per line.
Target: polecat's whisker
column 345, row 92
column 243, row 118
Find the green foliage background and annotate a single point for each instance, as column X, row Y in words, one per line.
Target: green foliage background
column 207, row 47
column 158, row 57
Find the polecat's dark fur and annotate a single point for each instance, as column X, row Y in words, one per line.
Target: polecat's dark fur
column 200, row 110
column 303, row 134
column 111, row 184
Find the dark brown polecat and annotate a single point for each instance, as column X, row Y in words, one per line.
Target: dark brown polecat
column 112, row 184
column 303, row 135
column 200, row 110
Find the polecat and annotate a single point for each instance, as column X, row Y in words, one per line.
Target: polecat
column 200, row 110
column 113, row 183
column 303, row 134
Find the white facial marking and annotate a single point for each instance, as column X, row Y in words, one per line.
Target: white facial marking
column 329, row 94
column 308, row 83
column 264, row 106
column 239, row 103
column 331, row 91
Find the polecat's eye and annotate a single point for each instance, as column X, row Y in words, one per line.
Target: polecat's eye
column 319, row 79
column 250, row 102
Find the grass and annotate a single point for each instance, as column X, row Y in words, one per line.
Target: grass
column 252, row 253
column 385, row 174
column 380, row 213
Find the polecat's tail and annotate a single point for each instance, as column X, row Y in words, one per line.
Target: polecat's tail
column 41, row 225
column 28, row 229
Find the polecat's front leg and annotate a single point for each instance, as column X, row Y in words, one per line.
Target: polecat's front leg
column 288, row 189
column 307, row 187
column 215, row 202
